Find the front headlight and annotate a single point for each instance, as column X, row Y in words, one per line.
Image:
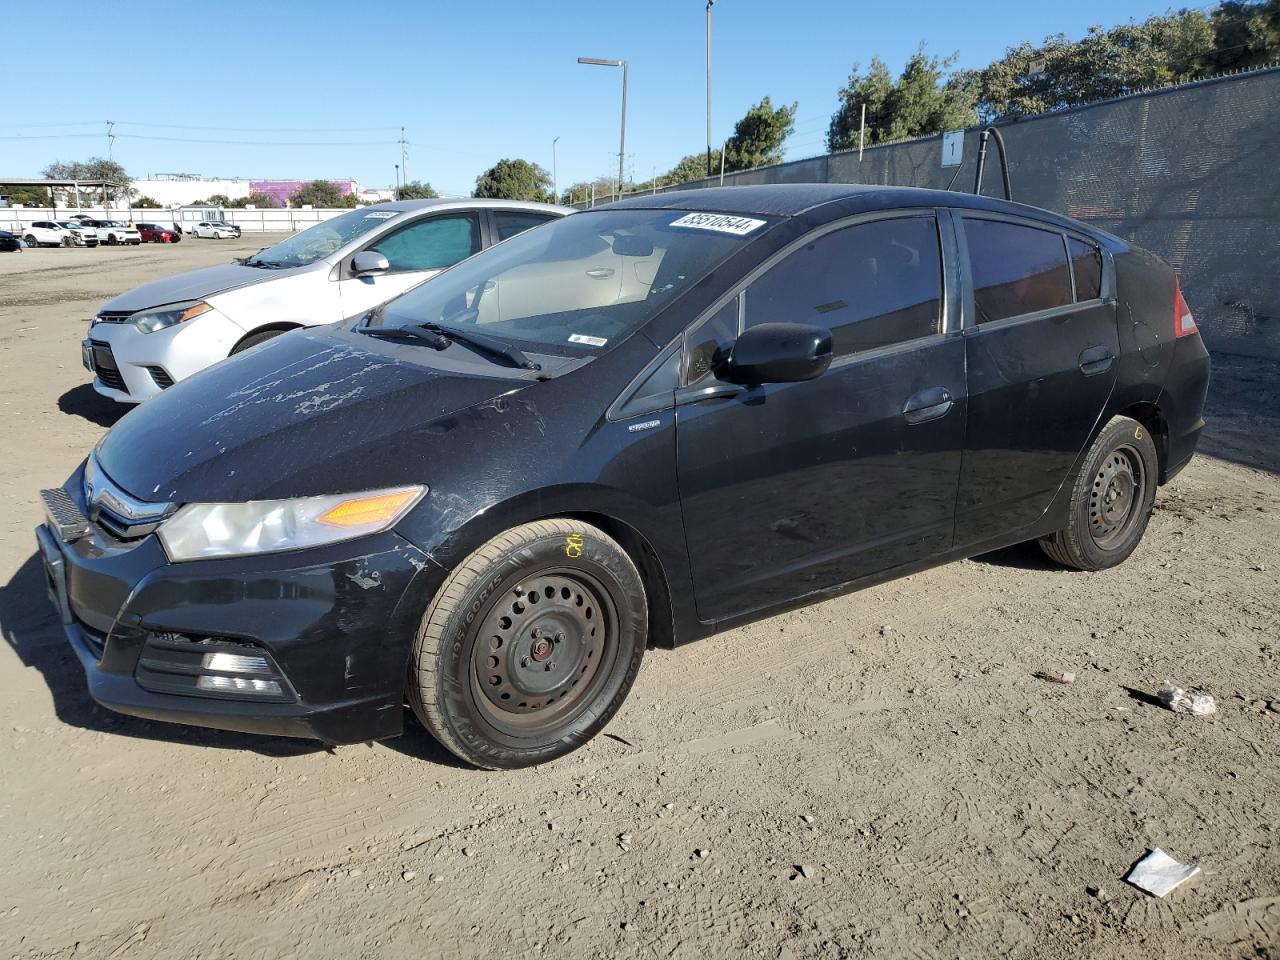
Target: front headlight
column 158, row 318
column 202, row 530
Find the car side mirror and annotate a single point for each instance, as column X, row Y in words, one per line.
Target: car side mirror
column 366, row 263
column 779, row 353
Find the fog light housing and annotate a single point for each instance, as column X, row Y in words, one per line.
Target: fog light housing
column 220, row 667
column 238, row 685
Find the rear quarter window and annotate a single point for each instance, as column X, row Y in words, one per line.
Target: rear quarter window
column 1086, row 265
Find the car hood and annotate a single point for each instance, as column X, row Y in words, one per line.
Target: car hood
column 193, row 285
column 304, row 414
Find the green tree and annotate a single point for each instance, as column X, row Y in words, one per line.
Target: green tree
column 758, row 137
column 95, row 168
column 417, row 190
column 27, row 196
column 145, row 203
column 923, row 100
column 580, row 192
column 873, row 88
column 1061, row 72
column 514, row 180
column 1244, row 35
column 318, row 193
column 262, row 201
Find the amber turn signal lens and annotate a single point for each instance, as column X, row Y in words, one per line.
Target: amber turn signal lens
column 365, row 511
column 195, row 311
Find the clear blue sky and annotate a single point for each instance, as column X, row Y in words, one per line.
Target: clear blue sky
column 470, row 82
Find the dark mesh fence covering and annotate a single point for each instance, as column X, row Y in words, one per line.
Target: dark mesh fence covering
column 1190, row 172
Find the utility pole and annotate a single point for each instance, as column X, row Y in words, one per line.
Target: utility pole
column 622, row 142
column 397, row 181
column 710, row 4
column 862, row 129
column 555, row 183
column 404, row 165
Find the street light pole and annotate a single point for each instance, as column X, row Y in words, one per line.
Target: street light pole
column 710, row 4
column 397, row 181
column 622, row 142
column 555, row 188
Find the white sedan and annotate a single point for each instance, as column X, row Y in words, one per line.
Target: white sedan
column 215, row 229
column 144, row 341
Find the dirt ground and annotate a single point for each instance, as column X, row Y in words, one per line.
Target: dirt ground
column 943, row 801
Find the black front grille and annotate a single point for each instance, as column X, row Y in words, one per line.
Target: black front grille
column 114, row 316
column 161, row 377
column 104, row 365
column 217, row 667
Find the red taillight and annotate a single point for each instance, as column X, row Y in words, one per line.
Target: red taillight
column 1183, row 323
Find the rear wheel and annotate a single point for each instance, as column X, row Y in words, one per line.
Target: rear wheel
column 530, row 646
column 1111, row 498
column 30, row 241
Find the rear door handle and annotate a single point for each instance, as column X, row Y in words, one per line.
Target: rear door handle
column 1096, row 360
column 927, row 404
column 600, row 273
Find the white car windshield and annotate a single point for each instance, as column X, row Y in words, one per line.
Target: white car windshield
column 319, row 241
column 578, row 284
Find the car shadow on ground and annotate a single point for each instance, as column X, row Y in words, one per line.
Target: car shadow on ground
column 1024, row 556
column 30, row 626
column 84, row 401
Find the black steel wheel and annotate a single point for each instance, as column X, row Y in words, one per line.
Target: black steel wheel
column 530, row 646
column 1111, row 498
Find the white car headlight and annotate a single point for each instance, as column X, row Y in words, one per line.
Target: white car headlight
column 158, row 318
column 203, row 530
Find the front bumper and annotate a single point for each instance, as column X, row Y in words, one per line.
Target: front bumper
column 335, row 623
column 146, row 363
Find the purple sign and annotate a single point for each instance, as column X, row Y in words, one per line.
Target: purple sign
column 281, row 190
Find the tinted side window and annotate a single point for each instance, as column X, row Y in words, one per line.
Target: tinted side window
column 431, row 244
column 872, row 285
column 1016, row 269
column 509, row 222
column 1086, row 263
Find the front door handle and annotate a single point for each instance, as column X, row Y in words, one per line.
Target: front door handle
column 928, row 404
column 1096, row 360
column 600, row 273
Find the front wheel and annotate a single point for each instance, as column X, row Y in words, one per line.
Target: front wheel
column 530, row 646
column 1111, row 498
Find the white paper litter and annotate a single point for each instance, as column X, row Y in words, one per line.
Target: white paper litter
column 1179, row 701
column 1157, row 873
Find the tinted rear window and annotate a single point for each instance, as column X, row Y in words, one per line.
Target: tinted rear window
column 1086, row 262
column 1016, row 269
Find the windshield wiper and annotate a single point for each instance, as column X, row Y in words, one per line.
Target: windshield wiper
column 489, row 345
column 417, row 334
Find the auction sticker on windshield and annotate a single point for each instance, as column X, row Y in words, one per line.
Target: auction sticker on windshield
column 589, row 341
column 380, row 215
column 720, row 222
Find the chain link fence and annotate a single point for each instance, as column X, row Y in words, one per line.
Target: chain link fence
column 1189, row 172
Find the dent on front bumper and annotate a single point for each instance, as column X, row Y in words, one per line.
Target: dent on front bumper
column 337, row 622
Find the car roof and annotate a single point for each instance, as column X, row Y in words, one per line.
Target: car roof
column 829, row 201
column 408, row 206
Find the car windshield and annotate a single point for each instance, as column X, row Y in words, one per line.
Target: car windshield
column 577, row 284
column 323, row 239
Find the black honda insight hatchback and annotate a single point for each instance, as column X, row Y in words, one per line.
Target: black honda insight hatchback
column 640, row 424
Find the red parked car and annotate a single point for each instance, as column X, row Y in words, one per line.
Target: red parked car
column 155, row 233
